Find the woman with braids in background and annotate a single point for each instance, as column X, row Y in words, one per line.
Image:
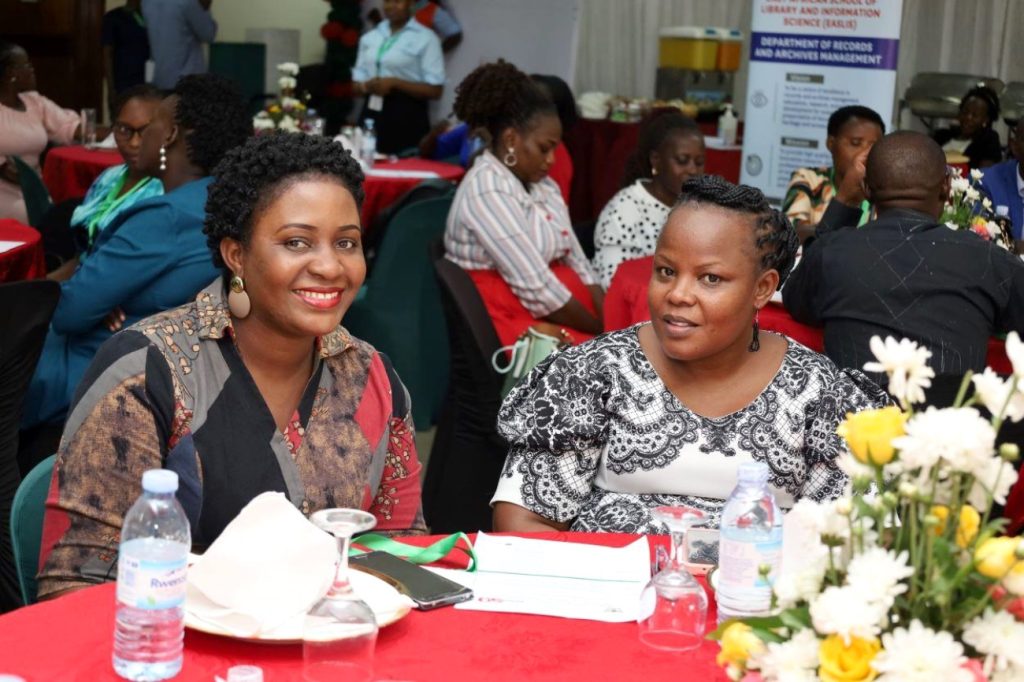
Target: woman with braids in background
column 509, row 225
column 662, row 413
column 152, row 256
column 669, row 152
column 253, row 386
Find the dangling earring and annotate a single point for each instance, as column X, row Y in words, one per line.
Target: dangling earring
column 510, row 158
column 163, row 157
column 654, row 171
column 755, row 343
column 238, row 301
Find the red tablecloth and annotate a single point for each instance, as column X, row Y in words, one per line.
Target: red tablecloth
column 69, row 171
column 381, row 192
column 22, row 262
column 70, row 640
column 599, row 151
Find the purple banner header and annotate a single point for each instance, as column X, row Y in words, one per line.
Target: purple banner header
column 829, row 50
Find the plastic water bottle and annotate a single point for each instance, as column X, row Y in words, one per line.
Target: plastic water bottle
column 155, row 541
column 727, row 124
column 369, row 142
column 750, row 537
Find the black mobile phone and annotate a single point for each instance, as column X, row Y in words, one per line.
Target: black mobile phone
column 427, row 589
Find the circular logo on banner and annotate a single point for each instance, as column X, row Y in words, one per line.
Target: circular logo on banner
column 759, row 100
column 754, row 165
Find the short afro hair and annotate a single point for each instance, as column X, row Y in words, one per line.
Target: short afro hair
column 774, row 236
column 252, row 176
column 143, row 91
column 212, row 113
column 843, row 115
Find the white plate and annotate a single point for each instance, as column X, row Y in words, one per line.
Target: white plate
column 388, row 604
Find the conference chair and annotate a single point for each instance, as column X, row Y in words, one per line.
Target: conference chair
column 27, row 525
column 398, row 309
column 37, row 197
column 468, row 454
column 25, row 311
column 245, row 65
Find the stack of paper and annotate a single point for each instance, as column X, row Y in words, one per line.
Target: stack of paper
column 566, row 579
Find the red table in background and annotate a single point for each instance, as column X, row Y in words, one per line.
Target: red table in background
column 381, row 192
column 22, row 262
column 599, row 151
column 69, row 171
column 70, row 639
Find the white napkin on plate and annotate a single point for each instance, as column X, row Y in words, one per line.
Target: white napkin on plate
column 265, row 571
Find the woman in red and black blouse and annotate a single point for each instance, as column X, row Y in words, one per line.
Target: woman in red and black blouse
column 254, row 386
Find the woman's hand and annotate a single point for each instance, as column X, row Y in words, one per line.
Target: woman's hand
column 851, row 187
column 114, row 320
column 381, row 86
column 597, row 296
column 511, row 518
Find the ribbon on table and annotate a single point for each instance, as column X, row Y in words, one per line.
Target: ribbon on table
column 412, row 553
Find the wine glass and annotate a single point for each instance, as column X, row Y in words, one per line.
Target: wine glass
column 340, row 631
column 673, row 605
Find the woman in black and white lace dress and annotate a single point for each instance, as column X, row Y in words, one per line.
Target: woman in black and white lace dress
column 664, row 412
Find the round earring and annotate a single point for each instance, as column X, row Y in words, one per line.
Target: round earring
column 654, row 172
column 510, row 158
column 163, row 157
column 755, row 342
column 238, row 300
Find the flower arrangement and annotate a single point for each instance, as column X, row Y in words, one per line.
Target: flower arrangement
column 288, row 112
column 907, row 576
column 967, row 209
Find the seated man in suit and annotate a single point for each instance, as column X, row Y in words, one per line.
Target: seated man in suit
column 1004, row 182
column 904, row 274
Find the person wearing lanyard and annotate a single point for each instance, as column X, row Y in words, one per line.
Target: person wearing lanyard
column 399, row 68
column 852, row 131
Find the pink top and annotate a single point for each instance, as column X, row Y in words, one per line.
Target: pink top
column 25, row 134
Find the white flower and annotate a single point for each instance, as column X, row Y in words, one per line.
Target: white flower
column 1015, row 351
column 846, row 612
column 262, row 123
column 972, row 194
column 877, row 575
column 289, row 102
column 792, row 661
column 286, row 83
column 956, row 435
column 951, row 225
column 999, row 636
column 917, row 654
column 1012, row 673
column 907, row 367
column 994, row 393
column 976, row 174
column 987, row 203
column 288, row 124
column 959, row 185
column 994, row 477
column 288, row 68
column 853, row 467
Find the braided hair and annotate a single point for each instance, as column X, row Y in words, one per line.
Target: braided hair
column 496, row 96
column 989, row 97
column 254, row 175
column 775, row 237
column 656, row 129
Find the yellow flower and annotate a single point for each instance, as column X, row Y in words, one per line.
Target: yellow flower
column 842, row 663
column 869, row 433
column 274, row 109
column 970, row 520
column 995, row 557
column 739, row 643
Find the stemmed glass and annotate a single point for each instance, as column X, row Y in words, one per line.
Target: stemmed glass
column 673, row 605
column 340, row 631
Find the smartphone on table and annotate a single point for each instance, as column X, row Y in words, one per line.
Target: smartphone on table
column 424, row 587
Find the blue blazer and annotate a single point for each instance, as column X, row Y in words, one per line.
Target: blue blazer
column 1000, row 183
column 152, row 258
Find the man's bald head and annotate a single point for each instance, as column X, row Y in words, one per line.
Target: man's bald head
column 906, row 169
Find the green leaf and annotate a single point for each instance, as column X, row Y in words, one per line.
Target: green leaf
column 796, row 618
column 768, row 635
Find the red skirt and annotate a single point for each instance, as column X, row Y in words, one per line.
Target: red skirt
column 507, row 312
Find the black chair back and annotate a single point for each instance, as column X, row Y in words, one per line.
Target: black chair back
column 25, row 311
column 467, row 455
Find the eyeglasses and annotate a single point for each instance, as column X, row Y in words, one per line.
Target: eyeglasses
column 123, row 131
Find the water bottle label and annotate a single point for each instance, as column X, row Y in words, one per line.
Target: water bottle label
column 150, row 585
column 740, row 562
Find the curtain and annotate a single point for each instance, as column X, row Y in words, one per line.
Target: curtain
column 618, row 45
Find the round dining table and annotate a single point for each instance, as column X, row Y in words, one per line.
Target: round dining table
column 69, row 171
column 21, row 252
column 70, row 639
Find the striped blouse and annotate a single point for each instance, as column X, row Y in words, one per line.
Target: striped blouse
column 497, row 224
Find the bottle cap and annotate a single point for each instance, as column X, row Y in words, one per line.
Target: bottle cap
column 160, row 481
column 245, row 673
column 752, row 472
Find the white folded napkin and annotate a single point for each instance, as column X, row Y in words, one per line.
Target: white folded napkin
column 264, row 572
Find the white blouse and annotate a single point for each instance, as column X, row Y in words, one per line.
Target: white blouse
column 627, row 228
